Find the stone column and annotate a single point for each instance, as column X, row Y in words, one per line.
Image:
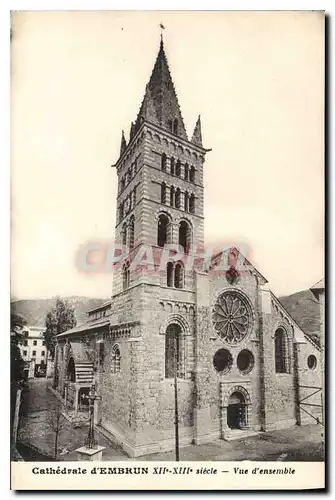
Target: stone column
column 175, row 233
column 182, row 199
column 76, row 400
column 223, row 419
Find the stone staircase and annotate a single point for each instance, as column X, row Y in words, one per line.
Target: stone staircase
column 234, row 434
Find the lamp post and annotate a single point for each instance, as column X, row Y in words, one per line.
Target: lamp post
column 90, row 442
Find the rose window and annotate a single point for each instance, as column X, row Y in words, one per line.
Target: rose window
column 232, row 317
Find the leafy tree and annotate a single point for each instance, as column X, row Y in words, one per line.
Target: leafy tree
column 17, row 322
column 58, row 320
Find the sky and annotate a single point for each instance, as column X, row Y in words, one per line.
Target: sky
column 77, row 80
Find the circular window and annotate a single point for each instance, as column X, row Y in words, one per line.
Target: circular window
column 232, row 317
column 245, row 361
column 311, row 362
column 222, row 361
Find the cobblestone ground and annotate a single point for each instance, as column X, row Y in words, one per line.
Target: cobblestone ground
column 297, row 443
column 36, row 438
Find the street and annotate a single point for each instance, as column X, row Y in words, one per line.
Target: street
column 36, row 438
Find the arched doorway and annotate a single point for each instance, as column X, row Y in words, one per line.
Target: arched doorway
column 236, row 411
column 71, row 372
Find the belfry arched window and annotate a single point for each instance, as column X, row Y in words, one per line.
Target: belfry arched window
column 172, row 166
column 281, row 351
column 174, row 359
column 179, row 275
column 191, row 204
column 169, row 274
column 115, row 359
column 178, row 168
column 124, row 234
column 163, row 162
column 121, row 211
column 185, row 235
column 163, row 230
column 192, row 174
column 175, row 275
column 131, row 231
column 126, row 276
column 133, row 194
column 186, row 172
column 163, row 192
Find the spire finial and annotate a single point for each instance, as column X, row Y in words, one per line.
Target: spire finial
column 162, row 27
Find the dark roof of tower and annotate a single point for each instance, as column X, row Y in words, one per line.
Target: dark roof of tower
column 160, row 104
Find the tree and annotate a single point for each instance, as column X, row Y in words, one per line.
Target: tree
column 58, row 320
column 55, row 422
column 17, row 322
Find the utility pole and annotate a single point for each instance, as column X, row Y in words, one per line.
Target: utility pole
column 176, row 416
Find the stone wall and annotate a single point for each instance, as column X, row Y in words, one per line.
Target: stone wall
column 310, row 381
column 279, row 388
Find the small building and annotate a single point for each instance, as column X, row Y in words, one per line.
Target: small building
column 34, row 352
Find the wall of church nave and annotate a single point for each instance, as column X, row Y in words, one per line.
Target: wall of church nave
column 279, row 377
column 117, row 384
column 309, row 381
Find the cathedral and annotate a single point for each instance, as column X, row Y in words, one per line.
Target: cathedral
column 210, row 327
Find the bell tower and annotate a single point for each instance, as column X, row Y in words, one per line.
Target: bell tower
column 152, row 324
column 160, row 176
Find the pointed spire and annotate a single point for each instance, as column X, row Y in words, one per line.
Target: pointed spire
column 197, row 136
column 123, row 143
column 160, row 104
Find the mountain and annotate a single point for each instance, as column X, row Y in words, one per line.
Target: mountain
column 34, row 311
column 304, row 309
column 302, row 306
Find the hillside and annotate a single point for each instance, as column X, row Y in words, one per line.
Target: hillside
column 304, row 309
column 34, row 311
column 302, row 306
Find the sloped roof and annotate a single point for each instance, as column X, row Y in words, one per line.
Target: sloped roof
column 93, row 325
column 245, row 261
